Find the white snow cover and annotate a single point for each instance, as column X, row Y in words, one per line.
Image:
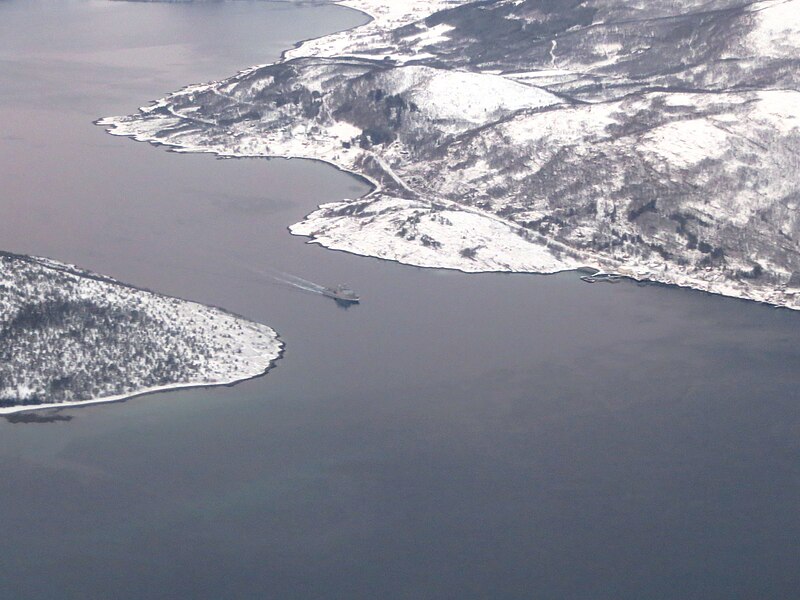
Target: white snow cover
column 572, row 125
column 685, row 143
column 781, row 108
column 495, row 245
column 386, row 15
column 432, row 35
column 221, row 348
column 777, row 28
column 465, row 96
column 470, row 239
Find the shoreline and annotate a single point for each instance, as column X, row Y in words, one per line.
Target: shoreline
column 284, row 55
column 58, row 406
column 10, row 410
column 377, row 188
column 567, row 260
column 274, row 350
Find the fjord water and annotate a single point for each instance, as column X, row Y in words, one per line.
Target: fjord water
column 453, row 437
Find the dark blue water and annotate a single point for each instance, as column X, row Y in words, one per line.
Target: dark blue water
column 453, row 437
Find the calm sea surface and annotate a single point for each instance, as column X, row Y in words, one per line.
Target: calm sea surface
column 455, row 436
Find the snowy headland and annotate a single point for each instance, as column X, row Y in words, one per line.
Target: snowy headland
column 69, row 337
column 655, row 140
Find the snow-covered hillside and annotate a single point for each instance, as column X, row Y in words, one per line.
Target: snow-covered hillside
column 71, row 337
column 656, row 139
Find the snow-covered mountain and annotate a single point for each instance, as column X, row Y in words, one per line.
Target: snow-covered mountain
column 68, row 336
column 656, row 139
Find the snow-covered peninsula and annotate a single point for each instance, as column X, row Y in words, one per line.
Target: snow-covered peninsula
column 71, row 337
column 659, row 140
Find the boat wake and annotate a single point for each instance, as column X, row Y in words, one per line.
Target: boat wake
column 342, row 294
column 286, row 279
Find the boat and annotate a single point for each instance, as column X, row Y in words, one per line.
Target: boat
column 341, row 293
column 602, row 277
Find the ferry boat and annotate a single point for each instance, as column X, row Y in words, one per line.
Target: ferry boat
column 341, row 293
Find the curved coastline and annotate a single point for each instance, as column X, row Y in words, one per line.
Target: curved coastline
column 275, row 353
column 377, row 188
column 261, row 344
column 638, row 272
column 300, row 43
column 55, row 407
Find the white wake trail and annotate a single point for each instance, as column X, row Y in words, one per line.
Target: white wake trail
column 289, row 279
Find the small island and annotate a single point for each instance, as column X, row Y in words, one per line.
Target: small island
column 71, row 337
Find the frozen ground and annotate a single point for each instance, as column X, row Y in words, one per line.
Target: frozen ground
column 70, row 337
column 658, row 140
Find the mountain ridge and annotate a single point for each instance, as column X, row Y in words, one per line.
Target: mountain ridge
column 665, row 156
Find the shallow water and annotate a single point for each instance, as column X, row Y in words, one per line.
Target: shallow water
column 499, row 436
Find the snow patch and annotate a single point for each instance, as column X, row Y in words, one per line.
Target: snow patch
column 686, row 143
column 464, row 96
column 448, row 238
column 781, row 108
column 777, row 28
